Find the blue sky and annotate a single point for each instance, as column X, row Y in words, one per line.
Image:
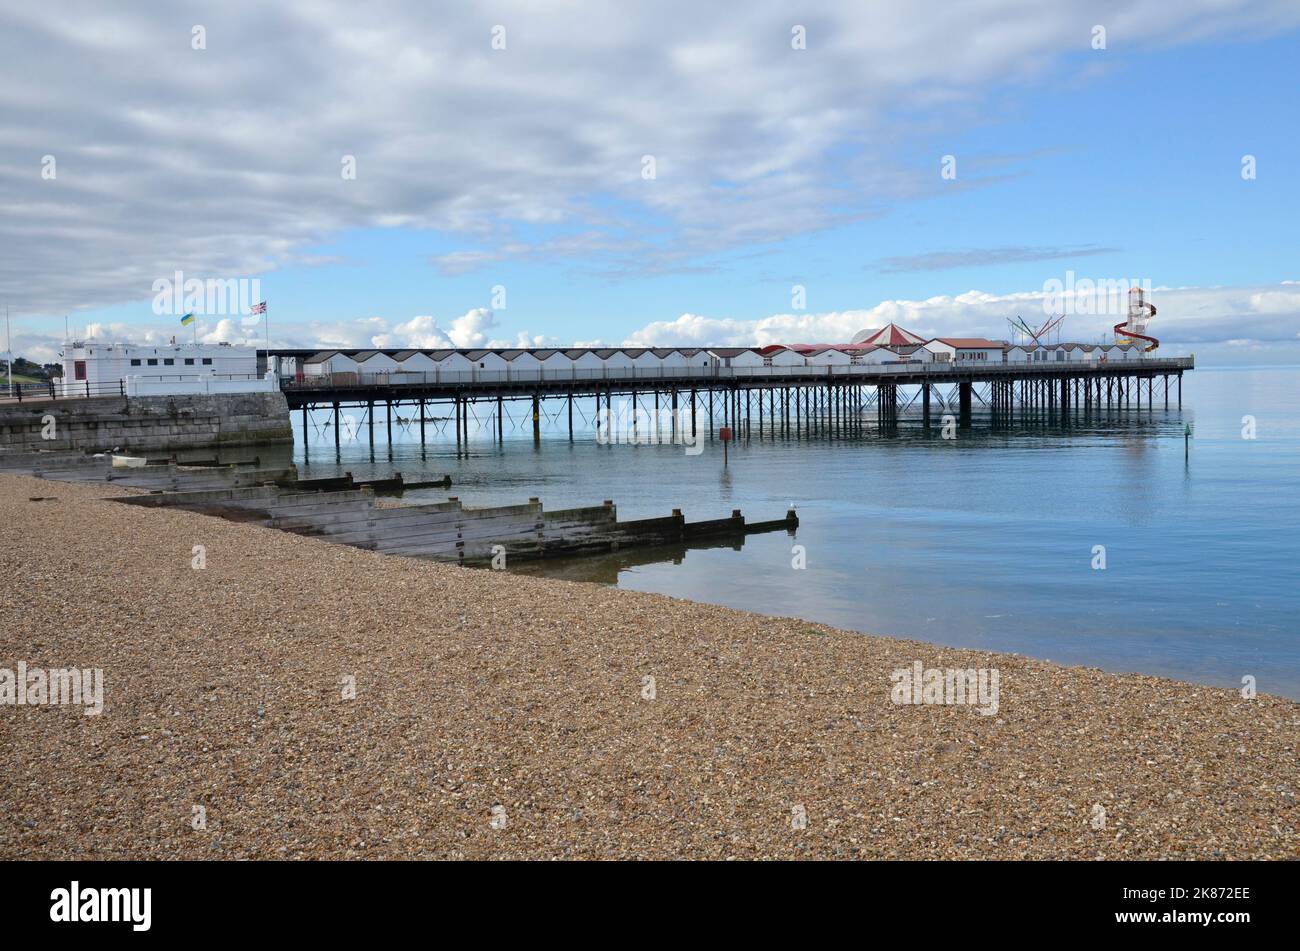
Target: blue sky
column 1116, row 163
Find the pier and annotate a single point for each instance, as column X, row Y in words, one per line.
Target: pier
column 778, row 399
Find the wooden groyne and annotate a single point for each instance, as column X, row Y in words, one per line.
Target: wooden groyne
column 451, row 531
column 351, row 512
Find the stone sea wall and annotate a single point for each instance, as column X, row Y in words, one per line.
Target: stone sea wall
column 147, row 423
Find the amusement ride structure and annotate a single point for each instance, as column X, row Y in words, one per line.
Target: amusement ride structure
column 1039, row 336
column 1140, row 312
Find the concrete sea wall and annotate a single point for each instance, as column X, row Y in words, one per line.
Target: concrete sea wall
column 147, row 423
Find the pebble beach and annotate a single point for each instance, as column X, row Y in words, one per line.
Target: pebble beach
column 297, row 699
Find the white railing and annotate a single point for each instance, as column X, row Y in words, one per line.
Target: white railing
column 938, row 369
column 199, row 384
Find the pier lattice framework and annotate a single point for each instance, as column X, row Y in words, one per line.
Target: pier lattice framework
column 779, row 400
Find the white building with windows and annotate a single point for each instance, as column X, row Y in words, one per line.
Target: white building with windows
column 965, row 350
column 102, row 368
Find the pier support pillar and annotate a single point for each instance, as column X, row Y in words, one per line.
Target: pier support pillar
column 925, row 404
column 336, row 426
column 537, row 418
column 963, row 402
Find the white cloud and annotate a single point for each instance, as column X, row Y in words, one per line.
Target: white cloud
column 226, row 162
column 1186, row 315
column 1232, row 319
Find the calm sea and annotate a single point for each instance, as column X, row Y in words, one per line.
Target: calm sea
column 985, row 541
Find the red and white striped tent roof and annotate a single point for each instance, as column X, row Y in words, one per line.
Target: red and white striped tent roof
column 890, row 335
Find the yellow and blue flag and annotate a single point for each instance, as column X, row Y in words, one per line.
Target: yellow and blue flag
column 187, row 320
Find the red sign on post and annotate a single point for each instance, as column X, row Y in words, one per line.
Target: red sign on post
column 725, row 434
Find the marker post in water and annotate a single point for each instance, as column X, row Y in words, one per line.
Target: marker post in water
column 725, row 435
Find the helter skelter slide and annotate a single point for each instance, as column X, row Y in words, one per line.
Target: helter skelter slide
column 1140, row 311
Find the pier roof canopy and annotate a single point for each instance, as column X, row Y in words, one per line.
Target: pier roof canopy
column 889, row 335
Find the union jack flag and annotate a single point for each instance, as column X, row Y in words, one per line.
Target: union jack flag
column 258, row 308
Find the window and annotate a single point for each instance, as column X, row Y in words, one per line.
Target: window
column 189, row 361
column 135, row 363
column 169, row 362
column 153, row 363
column 207, row 361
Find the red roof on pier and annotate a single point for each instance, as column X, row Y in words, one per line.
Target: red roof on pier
column 891, row 335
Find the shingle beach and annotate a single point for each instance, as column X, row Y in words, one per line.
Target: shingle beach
column 498, row 717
